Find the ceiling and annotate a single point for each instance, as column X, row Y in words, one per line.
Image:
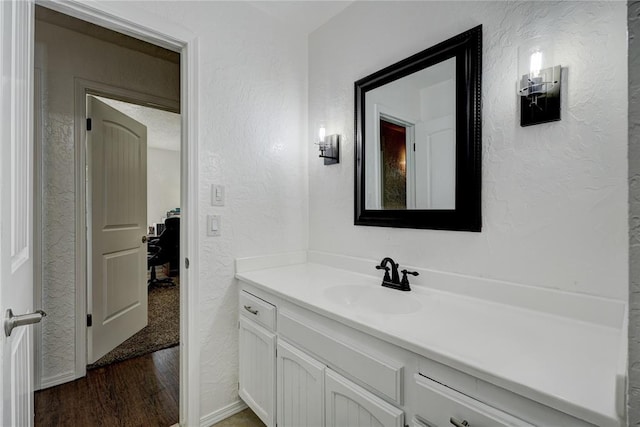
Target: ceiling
column 304, row 16
column 163, row 127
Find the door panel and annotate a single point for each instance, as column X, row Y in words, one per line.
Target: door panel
column 16, row 209
column 21, row 378
column 300, row 388
column 117, row 153
column 435, row 164
column 257, row 370
column 348, row 404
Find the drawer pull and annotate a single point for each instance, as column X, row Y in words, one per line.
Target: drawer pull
column 250, row 310
column 463, row 423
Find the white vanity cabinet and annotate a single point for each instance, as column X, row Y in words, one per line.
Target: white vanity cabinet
column 334, row 367
column 307, row 392
column 312, row 395
column 257, row 359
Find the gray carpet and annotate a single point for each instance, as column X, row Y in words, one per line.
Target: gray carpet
column 163, row 330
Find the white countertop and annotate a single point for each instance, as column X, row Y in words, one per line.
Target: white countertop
column 567, row 364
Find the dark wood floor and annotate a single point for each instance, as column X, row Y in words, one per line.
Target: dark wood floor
column 137, row 392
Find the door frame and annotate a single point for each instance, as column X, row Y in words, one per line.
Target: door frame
column 129, row 20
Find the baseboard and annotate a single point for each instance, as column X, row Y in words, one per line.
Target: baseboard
column 57, row 380
column 222, row 413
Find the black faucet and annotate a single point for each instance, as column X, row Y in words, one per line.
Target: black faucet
column 394, row 281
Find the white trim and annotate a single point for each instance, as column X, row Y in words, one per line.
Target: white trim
column 57, row 380
column 189, row 302
column 222, row 413
column 126, row 18
column 37, row 222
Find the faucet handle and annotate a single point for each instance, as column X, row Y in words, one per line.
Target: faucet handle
column 386, row 278
column 405, row 280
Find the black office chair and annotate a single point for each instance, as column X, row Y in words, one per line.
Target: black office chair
column 164, row 249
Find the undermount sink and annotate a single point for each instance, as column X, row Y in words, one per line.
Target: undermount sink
column 375, row 299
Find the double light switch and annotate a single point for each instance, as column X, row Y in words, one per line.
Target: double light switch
column 214, row 222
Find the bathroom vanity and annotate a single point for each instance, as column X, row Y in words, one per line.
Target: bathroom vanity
column 323, row 344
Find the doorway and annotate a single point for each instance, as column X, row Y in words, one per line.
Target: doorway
column 393, row 164
column 74, row 365
column 134, row 178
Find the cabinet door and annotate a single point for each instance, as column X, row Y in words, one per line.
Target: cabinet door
column 300, row 388
column 257, row 370
column 348, row 404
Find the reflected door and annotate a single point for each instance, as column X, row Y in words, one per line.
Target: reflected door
column 393, row 165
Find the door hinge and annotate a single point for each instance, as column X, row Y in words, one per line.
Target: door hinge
column 88, row 123
column 89, row 320
column 414, row 146
column 238, row 385
column 186, row 263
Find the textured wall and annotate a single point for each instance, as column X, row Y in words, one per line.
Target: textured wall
column 163, row 183
column 62, row 55
column 253, row 102
column 634, row 214
column 554, row 195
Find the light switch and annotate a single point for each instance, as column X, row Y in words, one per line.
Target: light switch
column 217, row 195
column 214, row 225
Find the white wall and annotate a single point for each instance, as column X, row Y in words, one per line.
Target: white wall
column 252, row 133
column 554, row 198
column 64, row 55
column 163, row 183
column 633, row 396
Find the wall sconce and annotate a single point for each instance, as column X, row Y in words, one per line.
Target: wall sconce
column 329, row 147
column 539, row 84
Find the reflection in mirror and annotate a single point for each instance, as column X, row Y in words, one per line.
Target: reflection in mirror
column 411, row 161
column 418, row 143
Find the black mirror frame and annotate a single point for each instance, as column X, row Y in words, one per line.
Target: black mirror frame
column 467, row 216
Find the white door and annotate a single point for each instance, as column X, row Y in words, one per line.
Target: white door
column 257, row 370
column 117, row 193
column 348, row 404
column 300, row 388
column 16, row 211
column 435, row 164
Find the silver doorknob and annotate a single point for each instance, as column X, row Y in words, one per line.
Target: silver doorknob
column 144, row 239
column 12, row 321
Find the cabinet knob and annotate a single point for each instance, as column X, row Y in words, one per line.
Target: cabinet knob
column 463, row 423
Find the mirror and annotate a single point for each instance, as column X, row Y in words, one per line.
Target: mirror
column 418, row 143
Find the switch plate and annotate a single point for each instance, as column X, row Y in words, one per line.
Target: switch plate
column 217, row 195
column 214, row 225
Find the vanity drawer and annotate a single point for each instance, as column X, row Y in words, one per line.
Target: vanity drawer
column 440, row 406
column 258, row 310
